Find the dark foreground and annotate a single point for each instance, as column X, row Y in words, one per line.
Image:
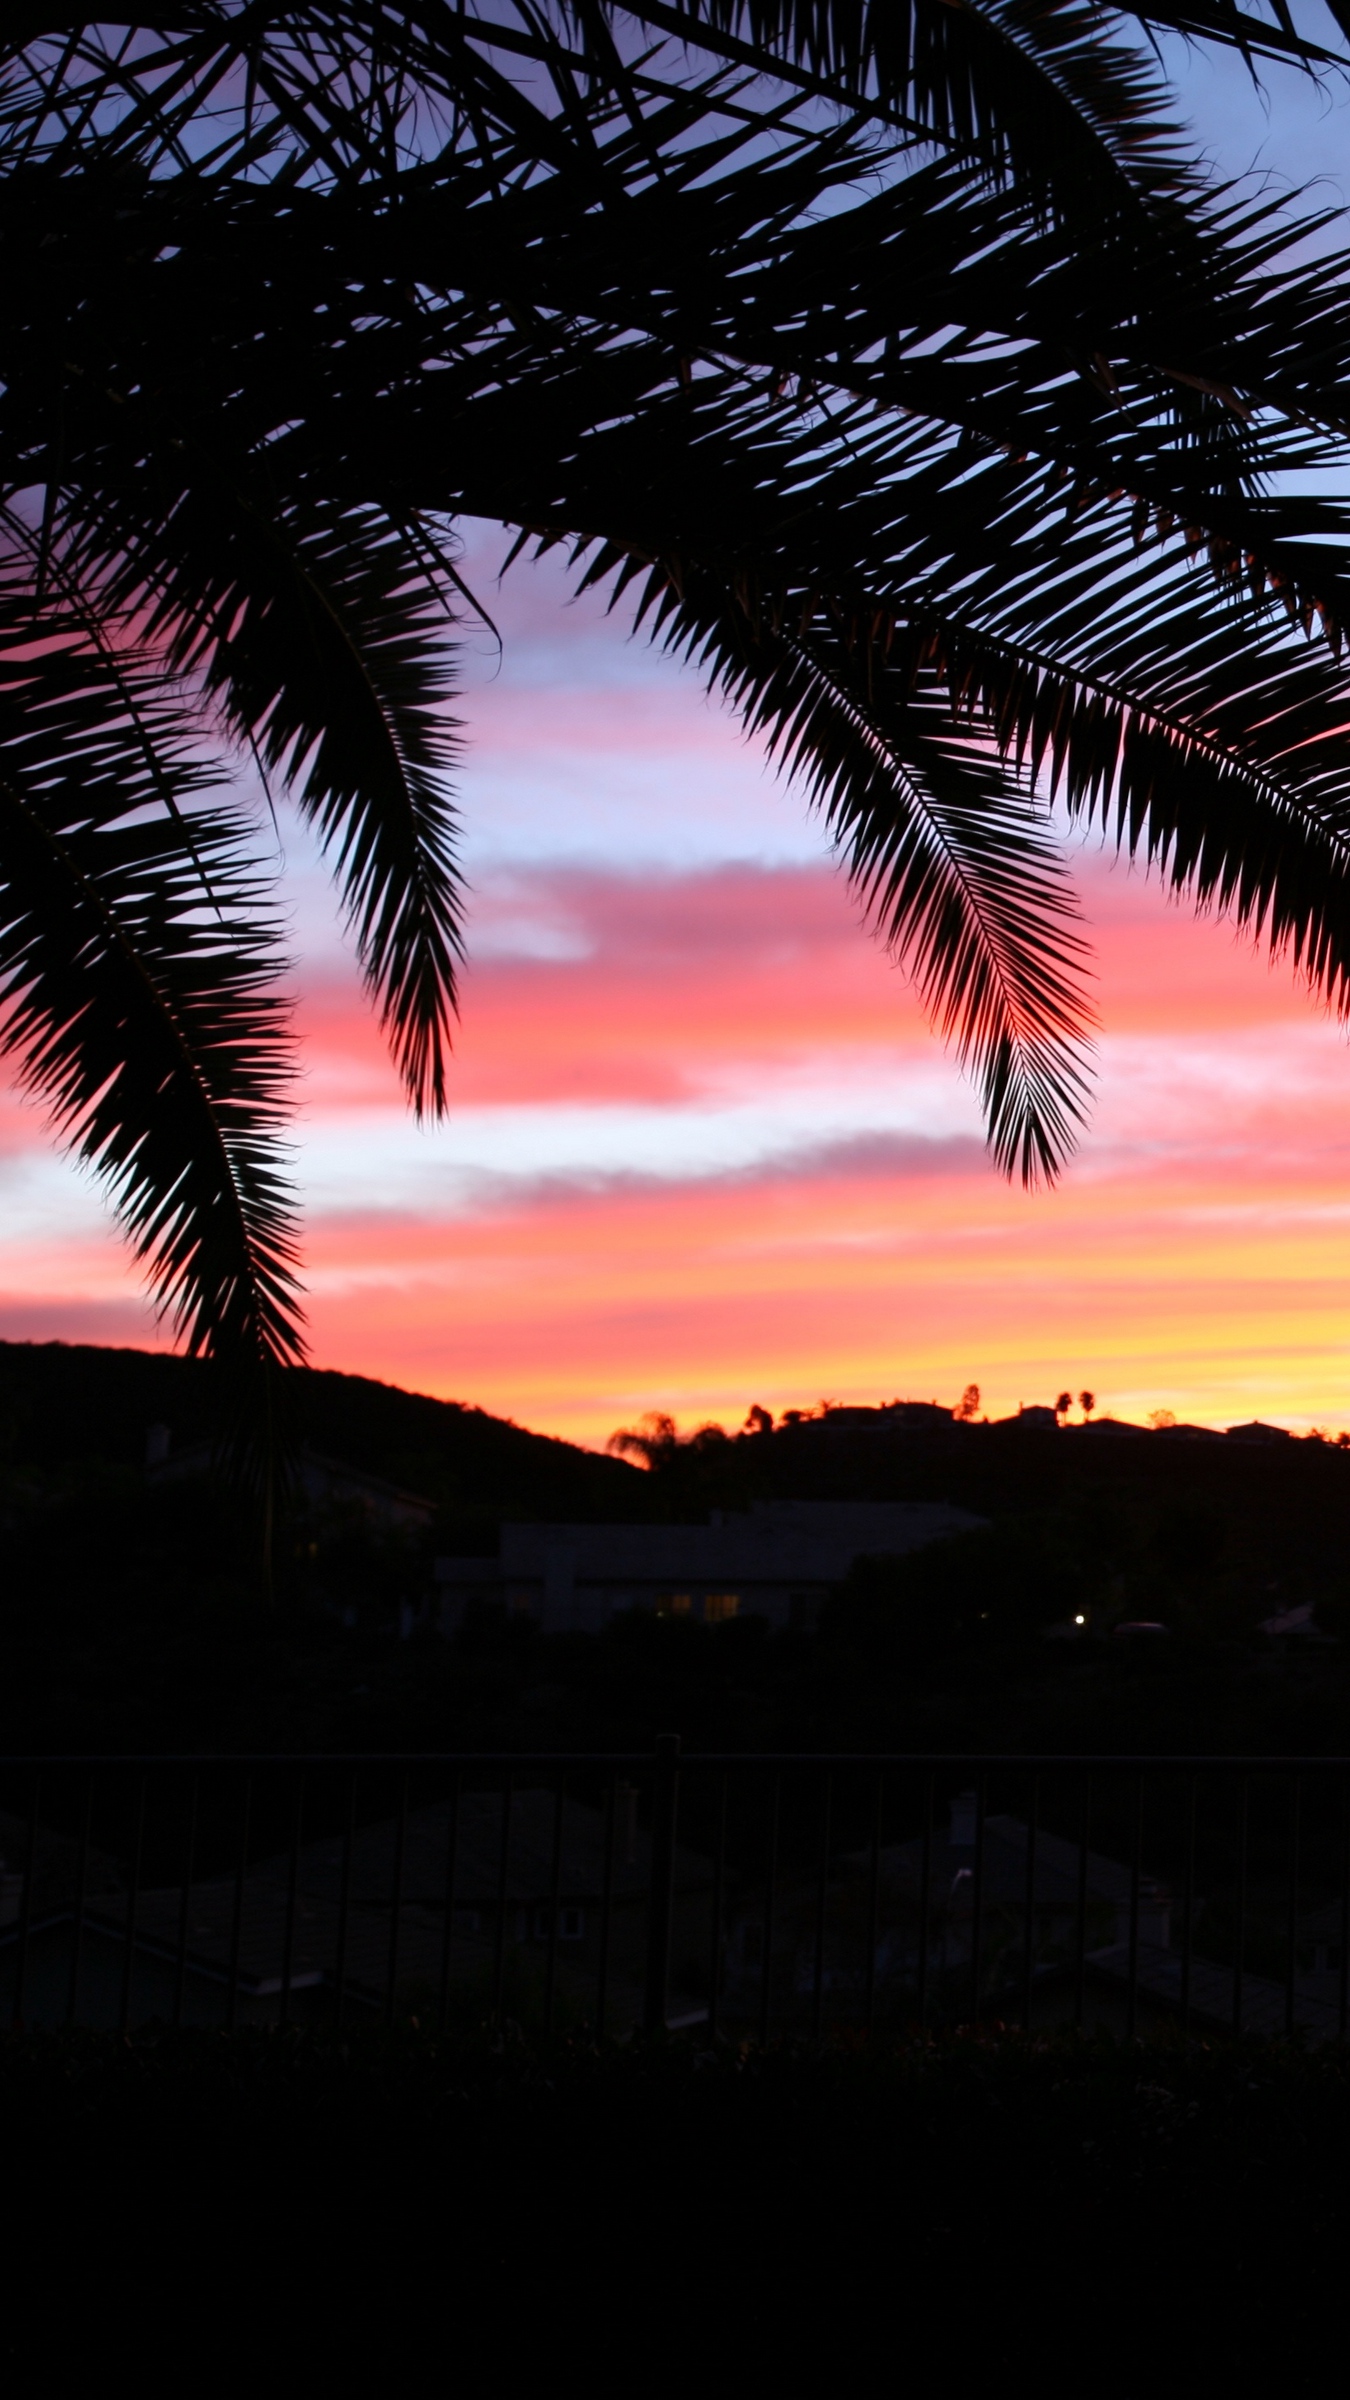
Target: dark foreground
column 278, row 2211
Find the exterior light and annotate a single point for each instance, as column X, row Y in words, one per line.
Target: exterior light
column 1080, row 1620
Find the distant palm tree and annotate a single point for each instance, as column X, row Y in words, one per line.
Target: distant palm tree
column 897, row 364
column 653, row 1440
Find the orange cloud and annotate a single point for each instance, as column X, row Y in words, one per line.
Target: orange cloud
column 857, row 1280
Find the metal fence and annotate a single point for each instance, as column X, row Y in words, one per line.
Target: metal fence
column 747, row 1895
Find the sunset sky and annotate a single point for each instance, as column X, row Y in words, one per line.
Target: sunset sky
column 703, row 1150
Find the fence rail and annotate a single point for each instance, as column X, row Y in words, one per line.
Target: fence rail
column 747, row 1894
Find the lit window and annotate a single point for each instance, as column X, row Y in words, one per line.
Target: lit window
column 719, row 1606
column 673, row 1604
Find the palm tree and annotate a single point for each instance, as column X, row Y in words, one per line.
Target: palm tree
column 896, row 364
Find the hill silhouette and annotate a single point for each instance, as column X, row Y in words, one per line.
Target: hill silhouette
column 1275, row 1510
column 71, row 1406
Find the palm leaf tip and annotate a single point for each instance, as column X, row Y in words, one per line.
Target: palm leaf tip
column 1007, row 995
column 950, row 854
column 357, row 677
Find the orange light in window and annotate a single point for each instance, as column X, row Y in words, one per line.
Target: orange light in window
column 719, row 1606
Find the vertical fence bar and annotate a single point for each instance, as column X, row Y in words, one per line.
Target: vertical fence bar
column 822, row 1895
column 1029, row 1929
column 396, row 1898
column 1343, row 1995
column 874, row 1908
column 1188, row 1905
column 81, row 1881
column 503, row 1879
column 770, row 1880
column 925, row 1896
column 1240, row 1941
column 1136, row 1869
column 344, row 1901
column 554, row 1903
column 26, row 1904
column 661, row 1889
column 606, row 1907
column 448, row 1916
column 1080, row 1961
column 1295, row 1813
column 977, row 1903
column 715, row 1939
column 292, row 1892
column 1343, row 2010
column 237, row 1912
column 133, row 1895
column 184, row 1904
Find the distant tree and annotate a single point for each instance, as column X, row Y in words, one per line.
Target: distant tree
column 1161, row 1419
column 758, row 1420
column 650, row 1442
column 656, row 1440
column 1064, row 1404
column 968, row 1406
column 706, row 1437
column 1087, row 1401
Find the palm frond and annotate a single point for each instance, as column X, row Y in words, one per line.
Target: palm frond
column 320, row 633
column 142, row 1012
column 327, row 647
column 958, row 872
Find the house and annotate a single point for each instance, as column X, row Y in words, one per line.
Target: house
column 1150, row 1957
column 1057, row 1866
column 778, row 1561
column 323, row 1482
column 434, row 1902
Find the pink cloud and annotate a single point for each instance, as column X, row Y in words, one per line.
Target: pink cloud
column 664, row 988
column 1195, row 1254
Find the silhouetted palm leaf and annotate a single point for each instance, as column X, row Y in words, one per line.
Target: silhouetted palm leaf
column 138, row 965
column 319, row 634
